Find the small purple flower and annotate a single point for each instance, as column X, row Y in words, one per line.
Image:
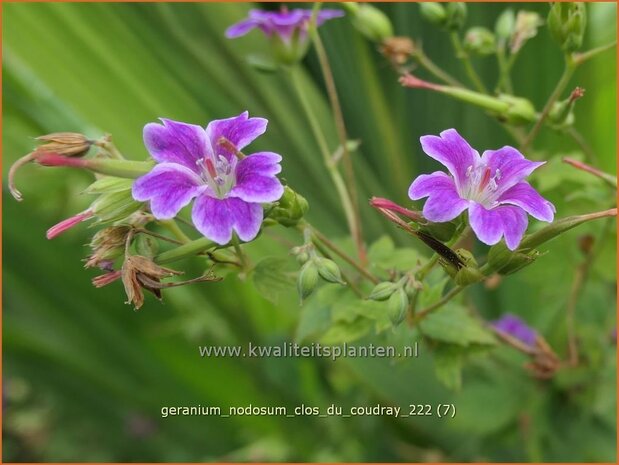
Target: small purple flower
column 515, row 327
column 193, row 162
column 490, row 186
column 284, row 23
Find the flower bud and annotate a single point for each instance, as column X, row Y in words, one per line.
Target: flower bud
column 562, row 112
column 107, row 184
column 307, row 279
column 504, row 26
column 328, row 270
column 371, row 22
column 504, row 261
column 382, row 291
column 519, row 260
column 527, row 23
column 69, row 144
column 397, row 306
column 301, row 254
column 479, row 40
column 456, row 15
column 115, row 206
column 567, row 22
column 289, row 51
column 433, row 12
column 519, row 111
column 67, row 224
column 290, row 208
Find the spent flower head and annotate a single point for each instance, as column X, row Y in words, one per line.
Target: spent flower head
column 491, row 187
column 207, row 165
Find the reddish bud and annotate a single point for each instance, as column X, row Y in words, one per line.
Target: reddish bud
column 68, row 224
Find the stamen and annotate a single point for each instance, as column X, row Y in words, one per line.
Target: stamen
column 210, row 167
column 484, row 180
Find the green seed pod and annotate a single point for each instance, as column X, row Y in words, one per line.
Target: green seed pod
column 567, row 22
column 480, row 41
column 397, row 306
column 468, row 275
column 328, row 270
column 504, row 26
column 519, row 261
column 146, row 245
column 307, row 279
column 519, row 111
column 382, row 291
column 433, row 12
column 499, row 256
column 456, row 15
column 372, row 22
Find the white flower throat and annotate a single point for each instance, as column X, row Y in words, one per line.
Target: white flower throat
column 219, row 174
column 481, row 185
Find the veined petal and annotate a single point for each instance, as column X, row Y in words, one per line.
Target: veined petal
column 505, row 220
column 217, row 218
column 444, row 203
column 169, row 187
column 176, row 142
column 256, row 179
column 512, row 166
column 239, row 130
column 453, row 152
column 524, row 196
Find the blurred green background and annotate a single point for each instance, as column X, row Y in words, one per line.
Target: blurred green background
column 85, row 377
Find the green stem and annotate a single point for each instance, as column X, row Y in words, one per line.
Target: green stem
column 239, row 253
column 173, row 227
column 186, row 250
column 505, row 81
column 338, row 116
column 580, row 58
column 434, row 69
column 119, row 168
column 466, row 61
column 336, row 177
column 435, row 306
column 570, row 67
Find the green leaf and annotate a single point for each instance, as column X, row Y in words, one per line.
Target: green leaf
column 454, row 325
column 383, row 255
column 345, row 331
column 448, row 361
column 271, row 278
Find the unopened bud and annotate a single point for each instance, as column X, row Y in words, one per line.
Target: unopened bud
column 433, row 12
column 69, row 144
column 328, row 270
column 504, row 26
column 504, row 261
column 456, row 15
column 519, row 260
column 479, row 40
column 382, row 291
column 115, row 206
column 525, row 28
column 289, row 209
column 307, row 279
column 67, row 224
column 567, row 22
column 108, row 184
column 397, row 306
column 562, row 112
column 371, row 22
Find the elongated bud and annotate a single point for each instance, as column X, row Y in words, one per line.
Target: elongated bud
column 289, row 209
column 525, row 28
column 567, row 22
column 386, row 204
column 480, row 41
column 115, row 206
column 433, row 12
column 397, row 306
column 369, row 21
column 328, row 270
column 456, row 15
column 307, row 279
column 561, row 226
column 67, row 224
column 382, row 291
column 504, row 26
column 301, row 254
column 504, row 261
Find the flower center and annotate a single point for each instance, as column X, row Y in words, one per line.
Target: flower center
column 218, row 174
column 482, row 185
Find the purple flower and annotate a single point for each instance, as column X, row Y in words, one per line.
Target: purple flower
column 284, row 23
column 515, row 327
column 205, row 164
column 490, row 186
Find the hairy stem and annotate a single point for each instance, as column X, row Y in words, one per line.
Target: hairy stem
column 466, row 61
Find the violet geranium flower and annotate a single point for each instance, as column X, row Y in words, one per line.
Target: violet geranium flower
column 284, row 23
column 491, row 187
column 205, row 164
column 515, row 327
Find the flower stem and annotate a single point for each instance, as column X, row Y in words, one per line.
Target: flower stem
column 466, row 61
column 434, row 69
column 336, row 177
column 174, row 228
column 570, row 67
column 435, row 306
column 580, row 58
column 186, row 250
column 338, row 116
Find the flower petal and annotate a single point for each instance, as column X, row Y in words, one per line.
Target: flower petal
column 239, row 130
column 241, row 28
column 256, row 180
column 505, row 220
column 216, row 218
column 176, row 142
column 169, row 187
column 444, row 203
column 453, row 152
column 512, row 166
column 524, row 196
column 515, row 327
